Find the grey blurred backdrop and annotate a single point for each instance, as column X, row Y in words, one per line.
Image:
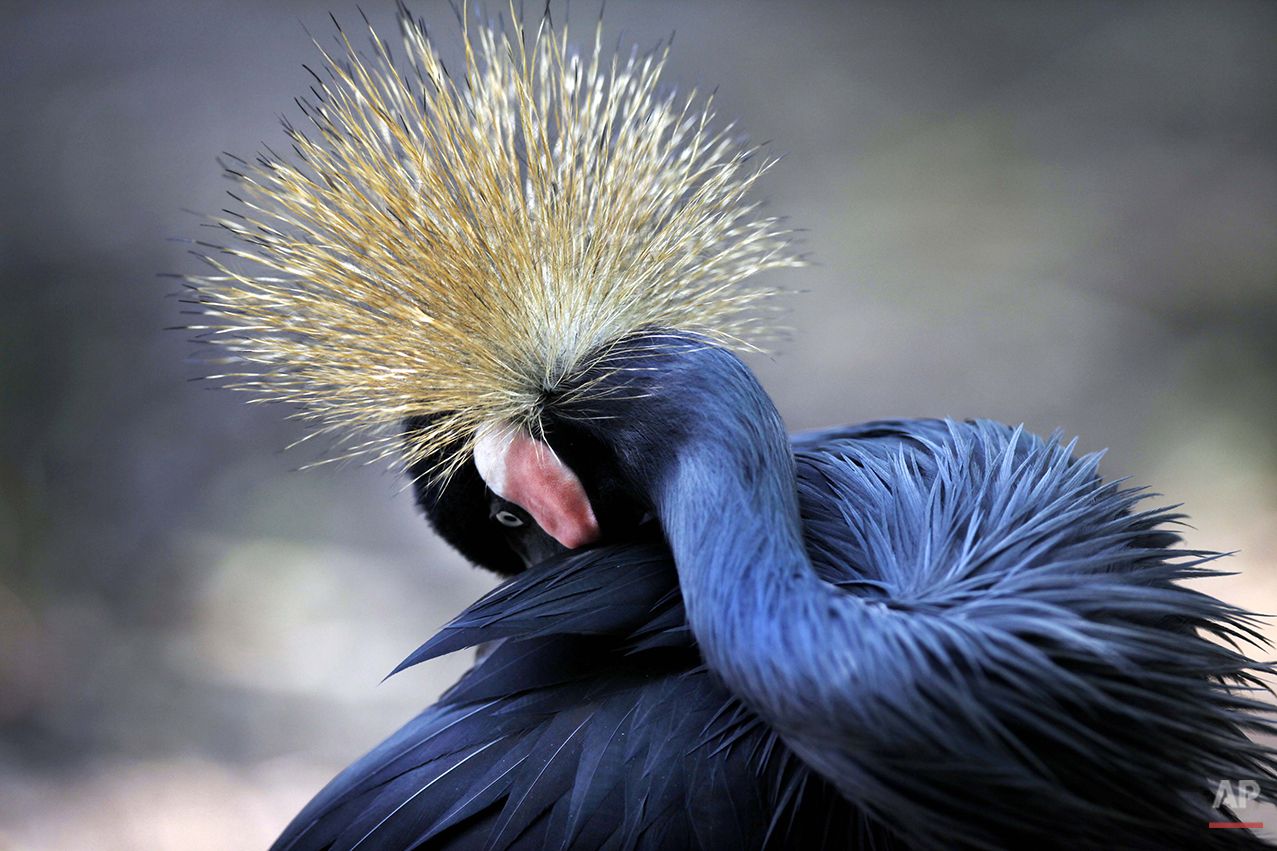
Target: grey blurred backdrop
column 1061, row 214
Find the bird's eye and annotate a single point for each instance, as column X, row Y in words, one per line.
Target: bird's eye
column 508, row 518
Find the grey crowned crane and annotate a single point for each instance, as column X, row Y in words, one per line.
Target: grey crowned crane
column 529, row 281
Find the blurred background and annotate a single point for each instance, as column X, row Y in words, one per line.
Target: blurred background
column 1061, row 214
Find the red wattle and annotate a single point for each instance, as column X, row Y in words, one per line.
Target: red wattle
column 547, row 489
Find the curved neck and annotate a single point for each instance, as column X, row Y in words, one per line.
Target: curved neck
column 731, row 518
column 698, row 436
column 729, row 508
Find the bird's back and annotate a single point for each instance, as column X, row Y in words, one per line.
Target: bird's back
column 593, row 724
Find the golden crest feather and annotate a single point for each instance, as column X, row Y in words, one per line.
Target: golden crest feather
column 456, row 251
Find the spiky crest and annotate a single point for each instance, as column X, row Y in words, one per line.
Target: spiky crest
column 460, row 251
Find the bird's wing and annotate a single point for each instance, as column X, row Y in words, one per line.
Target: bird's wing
column 590, row 726
column 1056, row 673
column 1032, row 660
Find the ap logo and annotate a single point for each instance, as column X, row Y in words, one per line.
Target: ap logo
column 1245, row 792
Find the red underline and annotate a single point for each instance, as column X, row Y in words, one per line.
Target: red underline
column 1254, row 825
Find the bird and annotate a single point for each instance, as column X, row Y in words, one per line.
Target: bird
column 531, row 283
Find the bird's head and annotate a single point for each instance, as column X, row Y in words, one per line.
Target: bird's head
column 452, row 267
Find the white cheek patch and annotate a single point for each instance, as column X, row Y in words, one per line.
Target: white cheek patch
column 522, row 469
column 491, row 446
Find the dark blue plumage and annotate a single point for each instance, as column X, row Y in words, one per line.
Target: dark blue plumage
column 906, row 634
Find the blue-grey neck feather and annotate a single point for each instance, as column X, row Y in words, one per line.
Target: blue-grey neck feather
column 979, row 618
